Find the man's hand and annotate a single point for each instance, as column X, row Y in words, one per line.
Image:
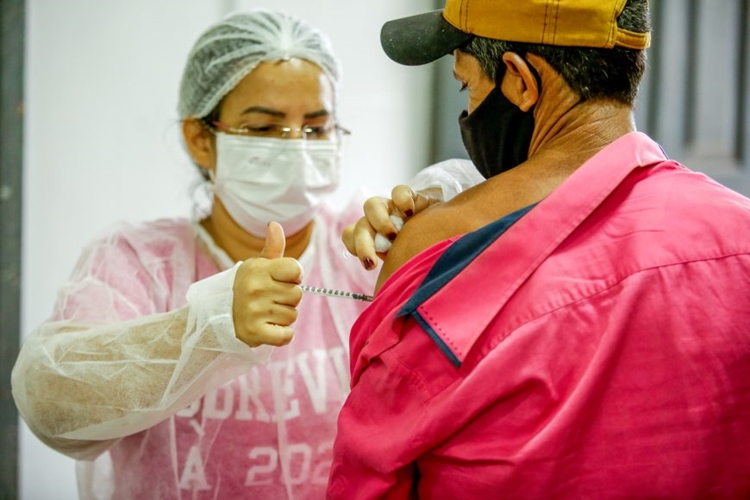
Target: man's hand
column 381, row 222
column 266, row 294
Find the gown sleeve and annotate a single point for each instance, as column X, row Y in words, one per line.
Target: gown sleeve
column 115, row 358
column 452, row 176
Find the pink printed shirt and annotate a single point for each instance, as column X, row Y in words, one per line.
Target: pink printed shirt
column 269, row 432
column 597, row 346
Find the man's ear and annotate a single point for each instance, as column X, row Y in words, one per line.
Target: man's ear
column 199, row 142
column 519, row 84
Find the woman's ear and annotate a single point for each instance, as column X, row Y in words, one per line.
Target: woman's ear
column 519, row 84
column 199, row 142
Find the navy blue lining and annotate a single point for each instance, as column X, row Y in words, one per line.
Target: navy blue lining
column 459, row 255
column 436, row 338
column 455, row 258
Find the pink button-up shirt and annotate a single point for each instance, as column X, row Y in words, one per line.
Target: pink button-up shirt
column 598, row 347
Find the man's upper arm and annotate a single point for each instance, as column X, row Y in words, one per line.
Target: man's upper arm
column 434, row 224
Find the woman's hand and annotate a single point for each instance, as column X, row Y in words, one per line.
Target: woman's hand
column 370, row 237
column 266, row 294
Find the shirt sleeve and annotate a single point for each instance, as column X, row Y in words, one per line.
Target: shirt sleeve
column 109, row 363
column 378, row 445
column 375, row 450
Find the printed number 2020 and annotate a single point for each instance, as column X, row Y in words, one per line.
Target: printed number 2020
column 300, row 465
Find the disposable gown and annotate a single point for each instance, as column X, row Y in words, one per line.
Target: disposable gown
column 138, row 374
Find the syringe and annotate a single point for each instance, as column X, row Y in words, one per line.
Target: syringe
column 336, row 293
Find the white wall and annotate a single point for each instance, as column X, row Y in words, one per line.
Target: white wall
column 101, row 136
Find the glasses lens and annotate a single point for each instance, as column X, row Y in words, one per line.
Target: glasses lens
column 323, row 131
column 319, row 132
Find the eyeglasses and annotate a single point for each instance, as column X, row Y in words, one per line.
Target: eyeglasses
column 278, row 131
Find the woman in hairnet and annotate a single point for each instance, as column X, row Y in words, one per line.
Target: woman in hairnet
column 157, row 370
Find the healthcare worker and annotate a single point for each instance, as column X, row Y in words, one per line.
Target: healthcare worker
column 157, row 369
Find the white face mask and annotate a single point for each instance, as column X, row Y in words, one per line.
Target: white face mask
column 260, row 180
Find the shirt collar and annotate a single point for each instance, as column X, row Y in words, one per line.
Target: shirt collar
column 461, row 309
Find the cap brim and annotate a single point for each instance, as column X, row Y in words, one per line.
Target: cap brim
column 421, row 39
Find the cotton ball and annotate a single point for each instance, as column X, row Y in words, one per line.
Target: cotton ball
column 382, row 245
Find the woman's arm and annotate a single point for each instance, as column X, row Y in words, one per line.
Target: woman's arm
column 106, row 366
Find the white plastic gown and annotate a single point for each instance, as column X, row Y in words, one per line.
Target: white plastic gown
column 139, row 376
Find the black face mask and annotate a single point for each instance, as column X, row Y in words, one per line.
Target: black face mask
column 497, row 134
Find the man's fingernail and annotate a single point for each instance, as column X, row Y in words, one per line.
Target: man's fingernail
column 391, row 236
column 409, row 213
column 368, row 263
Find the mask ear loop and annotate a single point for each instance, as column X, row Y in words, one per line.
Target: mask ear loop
column 539, row 80
column 537, row 77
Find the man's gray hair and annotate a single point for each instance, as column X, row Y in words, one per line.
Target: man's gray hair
column 592, row 73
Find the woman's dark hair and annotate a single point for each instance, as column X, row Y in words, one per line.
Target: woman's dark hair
column 592, row 73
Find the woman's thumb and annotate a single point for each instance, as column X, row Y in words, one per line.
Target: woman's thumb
column 275, row 241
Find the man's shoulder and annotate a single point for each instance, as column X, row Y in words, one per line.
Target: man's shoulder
column 436, row 224
column 692, row 203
